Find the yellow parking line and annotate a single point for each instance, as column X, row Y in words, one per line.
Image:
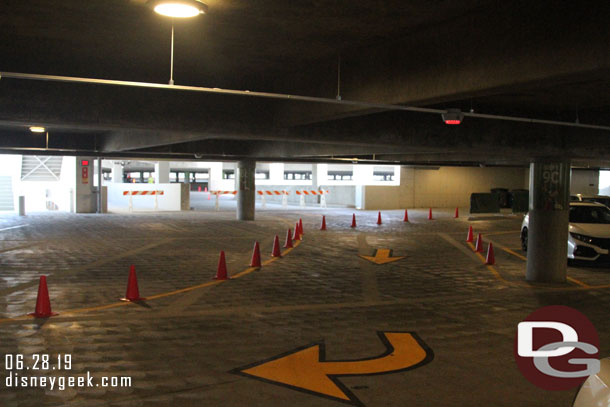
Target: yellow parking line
column 580, row 283
column 163, row 295
column 493, row 269
column 520, row 256
column 489, row 266
column 509, row 251
column 506, row 232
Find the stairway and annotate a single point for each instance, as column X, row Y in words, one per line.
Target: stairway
column 41, row 168
column 7, row 202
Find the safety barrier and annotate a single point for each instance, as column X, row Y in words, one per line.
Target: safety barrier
column 218, row 193
column 283, row 193
column 223, row 193
column 132, row 193
column 320, row 192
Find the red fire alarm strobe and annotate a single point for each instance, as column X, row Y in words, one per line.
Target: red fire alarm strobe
column 453, row 116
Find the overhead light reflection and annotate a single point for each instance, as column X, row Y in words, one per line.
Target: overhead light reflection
column 179, row 8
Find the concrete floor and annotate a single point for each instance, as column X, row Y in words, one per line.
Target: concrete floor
column 185, row 348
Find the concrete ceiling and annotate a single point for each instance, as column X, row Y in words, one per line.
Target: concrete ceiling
column 543, row 59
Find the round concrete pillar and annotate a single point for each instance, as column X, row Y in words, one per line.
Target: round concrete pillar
column 246, row 189
column 549, row 207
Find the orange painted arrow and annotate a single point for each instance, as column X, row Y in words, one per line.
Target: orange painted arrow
column 305, row 369
column 382, row 256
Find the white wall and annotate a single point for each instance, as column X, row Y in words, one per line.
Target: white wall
column 173, row 197
column 604, row 183
column 585, row 182
column 446, row 187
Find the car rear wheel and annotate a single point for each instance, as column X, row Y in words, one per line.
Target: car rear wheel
column 524, row 239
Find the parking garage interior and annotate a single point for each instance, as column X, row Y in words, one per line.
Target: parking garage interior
column 308, row 204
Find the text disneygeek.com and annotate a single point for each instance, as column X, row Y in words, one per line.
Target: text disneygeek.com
column 20, row 374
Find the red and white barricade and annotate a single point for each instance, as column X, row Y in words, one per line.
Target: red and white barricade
column 132, row 193
column 218, row 193
column 315, row 192
column 283, row 193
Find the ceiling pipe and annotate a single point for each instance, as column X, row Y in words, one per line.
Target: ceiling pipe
column 282, row 96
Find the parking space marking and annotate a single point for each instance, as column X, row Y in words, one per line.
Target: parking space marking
column 13, row 227
column 489, row 266
column 473, row 255
column 370, row 289
column 575, row 281
column 22, row 246
column 510, row 251
column 101, row 262
column 520, row 256
column 160, row 295
column 506, row 232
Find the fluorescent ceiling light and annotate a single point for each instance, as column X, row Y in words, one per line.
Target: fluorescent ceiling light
column 179, row 8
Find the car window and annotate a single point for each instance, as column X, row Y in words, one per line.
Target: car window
column 603, row 201
column 589, row 214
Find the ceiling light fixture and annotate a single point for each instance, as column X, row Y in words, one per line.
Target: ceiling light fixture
column 177, row 9
column 37, row 129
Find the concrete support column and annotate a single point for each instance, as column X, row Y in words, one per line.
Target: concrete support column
column 321, row 175
column 363, row 174
column 407, row 188
column 117, row 173
column 162, row 172
column 548, row 221
column 214, row 176
column 246, row 189
column 276, row 173
column 84, row 197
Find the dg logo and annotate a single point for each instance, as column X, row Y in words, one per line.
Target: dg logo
column 557, row 348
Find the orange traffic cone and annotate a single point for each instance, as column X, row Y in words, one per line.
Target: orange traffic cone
column 288, row 243
column 478, row 247
column 354, row 220
column 301, row 232
column 199, row 188
column 205, row 189
column 406, row 218
column 43, row 303
column 457, row 212
column 221, row 272
column 256, row 256
column 297, row 234
column 323, row 227
column 470, row 237
column 133, row 293
column 490, row 259
column 379, row 218
column 430, row 214
column 276, row 247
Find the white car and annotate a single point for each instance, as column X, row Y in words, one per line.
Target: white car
column 589, row 232
column 595, row 391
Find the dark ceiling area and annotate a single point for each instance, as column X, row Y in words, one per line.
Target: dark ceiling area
column 545, row 60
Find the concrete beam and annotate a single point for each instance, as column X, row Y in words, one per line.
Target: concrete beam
column 410, row 138
column 478, row 55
